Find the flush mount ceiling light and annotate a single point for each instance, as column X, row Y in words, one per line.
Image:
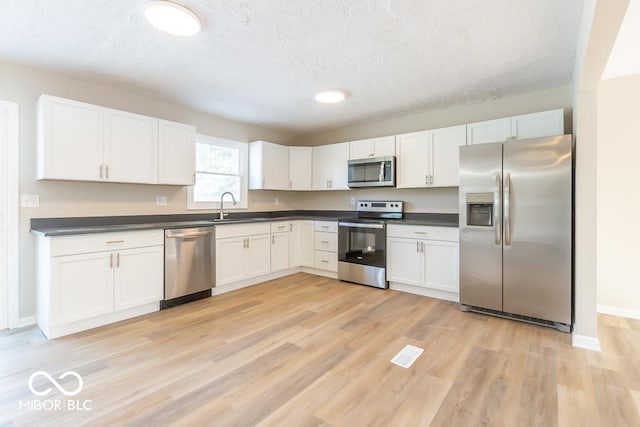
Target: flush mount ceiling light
column 171, row 18
column 331, row 96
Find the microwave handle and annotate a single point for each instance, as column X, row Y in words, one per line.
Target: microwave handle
column 381, row 174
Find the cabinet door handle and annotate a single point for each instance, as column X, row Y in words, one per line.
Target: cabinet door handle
column 113, row 242
column 422, row 247
column 324, row 260
column 326, row 242
column 417, row 245
column 290, row 184
column 118, row 260
column 420, row 232
column 248, row 242
column 111, row 261
column 290, row 226
column 106, row 171
column 273, row 239
column 101, row 167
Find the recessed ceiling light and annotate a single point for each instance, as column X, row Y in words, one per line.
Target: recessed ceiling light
column 330, row 96
column 172, row 18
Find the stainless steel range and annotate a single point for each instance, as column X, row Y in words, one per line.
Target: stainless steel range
column 362, row 256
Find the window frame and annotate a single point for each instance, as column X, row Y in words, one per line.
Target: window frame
column 243, row 148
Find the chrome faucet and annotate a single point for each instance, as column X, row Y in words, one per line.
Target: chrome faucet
column 222, row 214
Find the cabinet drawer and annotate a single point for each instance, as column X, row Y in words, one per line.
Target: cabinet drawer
column 328, row 226
column 237, row 230
column 278, row 227
column 326, row 261
column 449, row 234
column 326, row 241
column 86, row 243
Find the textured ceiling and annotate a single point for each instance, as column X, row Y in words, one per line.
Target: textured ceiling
column 261, row 61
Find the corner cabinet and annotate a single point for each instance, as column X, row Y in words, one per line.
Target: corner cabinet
column 84, row 142
column 525, row 126
column 268, row 166
column 330, row 167
column 300, row 163
column 86, row 281
column 423, row 260
column 429, row 158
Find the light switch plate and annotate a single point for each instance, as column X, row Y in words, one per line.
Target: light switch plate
column 30, row 200
column 353, row 201
column 161, row 200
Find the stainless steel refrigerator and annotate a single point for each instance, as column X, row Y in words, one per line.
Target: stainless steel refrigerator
column 516, row 230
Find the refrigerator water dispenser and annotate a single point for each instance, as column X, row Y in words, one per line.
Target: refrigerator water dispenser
column 480, row 209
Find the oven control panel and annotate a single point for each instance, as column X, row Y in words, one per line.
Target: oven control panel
column 379, row 206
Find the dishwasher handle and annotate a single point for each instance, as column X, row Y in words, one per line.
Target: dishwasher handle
column 186, row 234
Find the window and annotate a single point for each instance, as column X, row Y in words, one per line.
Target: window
column 221, row 165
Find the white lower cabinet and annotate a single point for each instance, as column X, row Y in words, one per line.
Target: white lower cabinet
column 243, row 251
column 82, row 287
column 86, row 281
column 423, row 260
column 279, row 251
column 137, row 276
column 326, row 245
column 301, row 247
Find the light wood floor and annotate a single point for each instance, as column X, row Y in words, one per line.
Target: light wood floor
column 307, row 351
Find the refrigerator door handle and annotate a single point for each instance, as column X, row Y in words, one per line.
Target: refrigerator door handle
column 497, row 216
column 507, row 210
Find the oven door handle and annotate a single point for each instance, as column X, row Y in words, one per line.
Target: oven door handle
column 360, row 225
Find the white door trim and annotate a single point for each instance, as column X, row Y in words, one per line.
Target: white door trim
column 9, row 287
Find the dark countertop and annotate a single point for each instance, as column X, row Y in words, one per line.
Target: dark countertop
column 88, row 225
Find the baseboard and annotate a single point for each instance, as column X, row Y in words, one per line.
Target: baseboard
column 318, row 272
column 425, row 292
column 23, row 322
column 618, row 311
column 583, row 341
column 228, row 287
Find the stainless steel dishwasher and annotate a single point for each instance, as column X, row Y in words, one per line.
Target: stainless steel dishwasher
column 189, row 264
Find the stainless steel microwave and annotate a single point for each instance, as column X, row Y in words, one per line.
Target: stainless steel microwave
column 372, row 172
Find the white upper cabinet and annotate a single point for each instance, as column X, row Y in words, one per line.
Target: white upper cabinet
column 176, row 153
column 373, row 147
column 70, row 140
column 268, row 166
column 300, row 164
column 330, row 167
column 445, row 153
column 84, row 142
column 489, row 131
column 534, row 125
column 412, row 159
column 538, row 125
column 429, row 158
column 130, row 147
column 322, row 170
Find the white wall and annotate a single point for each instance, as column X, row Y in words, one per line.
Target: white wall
column 599, row 27
column 618, row 203
column 24, row 85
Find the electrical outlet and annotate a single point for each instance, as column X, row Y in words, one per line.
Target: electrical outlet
column 353, row 201
column 276, row 201
column 161, row 200
column 30, row 200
